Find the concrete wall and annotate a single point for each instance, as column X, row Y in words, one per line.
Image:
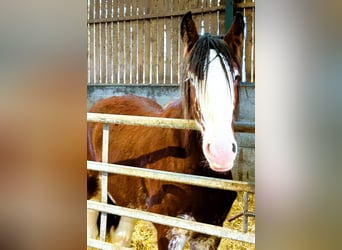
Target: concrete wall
column 161, row 94
column 244, row 169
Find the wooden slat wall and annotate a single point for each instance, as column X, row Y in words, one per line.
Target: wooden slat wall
column 137, row 41
column 247, row 7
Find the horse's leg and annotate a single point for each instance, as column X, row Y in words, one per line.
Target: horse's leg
column 204, row 242
column 94, row 194
column 92, row 229
column 178, row 238
column 123, row 233
column 162, row 236
column 173, row 238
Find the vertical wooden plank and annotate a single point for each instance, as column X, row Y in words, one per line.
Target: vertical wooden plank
column 114, row 39
column 121, row 44
column 109, row 45
column 253, row 46
column 221, row 15
column 97, row 46
column 192, row 4
column 175, row 62
column 90, row 43
column 147, row 44
column 100, row 43
column 129, row 33
column 140, row 42
column 90, row 4
column 206, row 17
column 134, row 47
column 137, row 39
column 169, row 45
column 213, row 19
column 160, row 44
column 104, row 53
column 153, row 43
column 119, row 48
column 248, row 14
column 167, row 59
column 123, row 41
column 183, row 8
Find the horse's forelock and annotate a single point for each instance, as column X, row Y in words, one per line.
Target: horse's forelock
column 196, row 65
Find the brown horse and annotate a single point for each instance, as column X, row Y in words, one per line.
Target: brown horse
column 209, row 96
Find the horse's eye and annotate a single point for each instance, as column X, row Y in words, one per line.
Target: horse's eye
column 191, row 80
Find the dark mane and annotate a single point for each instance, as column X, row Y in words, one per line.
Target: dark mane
column 197, row 64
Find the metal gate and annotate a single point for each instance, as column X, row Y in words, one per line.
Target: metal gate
column 106, row 168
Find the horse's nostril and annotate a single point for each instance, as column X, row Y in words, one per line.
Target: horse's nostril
column 234, row 148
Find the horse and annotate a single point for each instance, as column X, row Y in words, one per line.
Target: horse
column 209, row 95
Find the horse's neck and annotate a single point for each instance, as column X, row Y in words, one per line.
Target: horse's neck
column 174, row 109
column 190, row 139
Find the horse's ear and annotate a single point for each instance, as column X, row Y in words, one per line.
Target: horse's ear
column 188, row 32
column 234, row 36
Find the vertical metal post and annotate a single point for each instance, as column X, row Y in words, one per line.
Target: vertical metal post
column 245, row 212
column 229, row 14
column 104, row 180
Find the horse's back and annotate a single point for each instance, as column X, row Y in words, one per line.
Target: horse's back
column 127, row 105
column 122, row 136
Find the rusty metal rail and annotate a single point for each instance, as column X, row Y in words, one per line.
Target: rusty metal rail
column 106, row 168
column 173, row 177
column 172, row 221
column 239, row 126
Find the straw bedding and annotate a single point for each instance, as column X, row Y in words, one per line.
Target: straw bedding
column 145, row 238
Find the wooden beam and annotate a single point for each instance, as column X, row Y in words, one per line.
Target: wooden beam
column 244, row 5
column 158, row 15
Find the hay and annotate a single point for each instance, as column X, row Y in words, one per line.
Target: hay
column 237, row 224
column 145, row 237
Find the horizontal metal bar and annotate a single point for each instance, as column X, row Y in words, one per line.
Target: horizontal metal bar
column 239, row 126
column 173, row 222
column 143, row 121
column 101, row 244
column 250, row 214
column 157, row 15
column 173, row 177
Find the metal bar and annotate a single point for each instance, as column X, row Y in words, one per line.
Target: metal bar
column 143, row 121
column 104, row 179
column 105, row 245
column 174, row 177
column 250, row 214
column 245, row 211
column 239, row 126
column 155, row 16
column 101, row 244
column 173, row 222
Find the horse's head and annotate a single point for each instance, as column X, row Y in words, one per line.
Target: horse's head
column 210, row 88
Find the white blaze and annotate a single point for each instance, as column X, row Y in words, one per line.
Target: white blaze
column 216, row 102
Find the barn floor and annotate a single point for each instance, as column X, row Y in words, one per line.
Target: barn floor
column 144, row 236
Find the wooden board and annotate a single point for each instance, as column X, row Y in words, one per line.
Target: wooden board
column 143, row 45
